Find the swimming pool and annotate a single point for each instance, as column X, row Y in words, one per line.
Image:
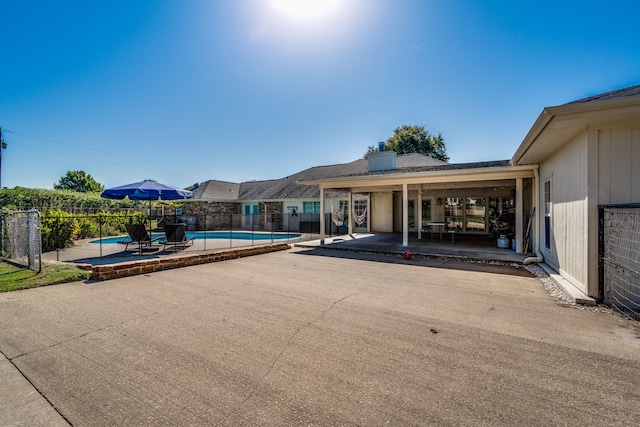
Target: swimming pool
column 213, row 235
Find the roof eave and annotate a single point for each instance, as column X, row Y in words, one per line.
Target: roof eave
column 541, row 131
column 449, row 175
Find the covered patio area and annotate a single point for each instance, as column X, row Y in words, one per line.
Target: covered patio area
column 474, row 204
column 469, row 248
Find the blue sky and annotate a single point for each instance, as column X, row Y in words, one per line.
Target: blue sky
column 183, row 91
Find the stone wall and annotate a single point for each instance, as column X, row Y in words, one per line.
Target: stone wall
column 114, row 271
column 213, row 216
column 225, row 216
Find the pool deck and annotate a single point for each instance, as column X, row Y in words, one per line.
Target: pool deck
column 389, row 243
column 96, row 254
column 465, row 248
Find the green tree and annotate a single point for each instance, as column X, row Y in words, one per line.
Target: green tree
column 408, row 139
column 79, row 181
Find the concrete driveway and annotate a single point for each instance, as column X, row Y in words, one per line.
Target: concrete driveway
column 312, row 337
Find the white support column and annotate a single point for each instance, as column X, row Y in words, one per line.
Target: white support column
column 369, row 213
column 405, row 215
column 519, row 216
column 537, row 204
column 350, row 214
column 419, row 210
column 322, row 226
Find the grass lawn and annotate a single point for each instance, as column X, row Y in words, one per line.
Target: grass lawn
column 13, row 277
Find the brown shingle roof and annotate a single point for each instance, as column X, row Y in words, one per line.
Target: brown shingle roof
column 619, row 93
column 217, row 190
column 286, row 188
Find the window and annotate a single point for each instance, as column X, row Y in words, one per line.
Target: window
column 547, row 214
column 250, row 212
column 344, row 204
column 311, row 207
column 501, row 216
column 360, row 213
column 475, row 214
column 426, row 210
column 453, row 213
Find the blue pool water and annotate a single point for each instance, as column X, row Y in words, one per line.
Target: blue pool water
column 218, row 235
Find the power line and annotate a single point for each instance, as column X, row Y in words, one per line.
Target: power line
column 82, row 147
column 137, row 159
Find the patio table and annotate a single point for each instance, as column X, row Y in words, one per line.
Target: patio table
column 433, row 225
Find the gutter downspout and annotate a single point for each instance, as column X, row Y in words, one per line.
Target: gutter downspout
column 536, row 218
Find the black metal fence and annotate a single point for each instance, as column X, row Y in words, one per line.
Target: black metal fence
column 62, row 230
column 620, row 258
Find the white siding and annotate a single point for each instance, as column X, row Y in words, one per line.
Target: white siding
column 635, row 165
column 618, row 181
column 616, row 175
column 382, row 212
column 619, row 165
column 568, row 170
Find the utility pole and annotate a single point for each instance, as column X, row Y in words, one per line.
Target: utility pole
column 3, row 145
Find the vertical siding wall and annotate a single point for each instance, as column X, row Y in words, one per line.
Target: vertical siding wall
column 568, row 170
column 382, row 212
column 619, row 165
column 617, row 179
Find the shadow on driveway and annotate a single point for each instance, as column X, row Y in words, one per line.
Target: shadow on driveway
column 511, row 269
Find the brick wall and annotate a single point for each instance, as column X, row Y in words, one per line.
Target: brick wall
column 113, row 271
column 223, row 216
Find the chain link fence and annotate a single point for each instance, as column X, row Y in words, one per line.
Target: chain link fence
column 620, row 258
column 21, row 238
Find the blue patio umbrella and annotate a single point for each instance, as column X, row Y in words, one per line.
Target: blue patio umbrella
column 147, row 190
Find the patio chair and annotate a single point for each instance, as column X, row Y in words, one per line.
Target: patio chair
column 138, row 235
column 175, row 236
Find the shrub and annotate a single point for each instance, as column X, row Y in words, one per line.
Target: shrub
column 58, row 230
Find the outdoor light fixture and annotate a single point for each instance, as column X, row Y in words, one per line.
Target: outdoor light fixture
column 439, row 201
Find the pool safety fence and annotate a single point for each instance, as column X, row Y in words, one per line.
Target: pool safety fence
column 63, row 230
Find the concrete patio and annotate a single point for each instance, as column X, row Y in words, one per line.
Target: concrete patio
column 314, row 337
column 464, row 247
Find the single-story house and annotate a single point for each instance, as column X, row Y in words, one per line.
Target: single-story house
column 260, row 202
column 587, row 154
column 576, row 157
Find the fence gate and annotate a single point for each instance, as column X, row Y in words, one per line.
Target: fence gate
column 620, row 258
column 21, row 238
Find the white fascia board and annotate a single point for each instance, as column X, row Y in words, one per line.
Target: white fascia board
column 461, row 175
column 569, row 119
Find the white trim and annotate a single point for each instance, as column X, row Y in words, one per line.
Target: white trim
column 448, row 176
column 405, row 215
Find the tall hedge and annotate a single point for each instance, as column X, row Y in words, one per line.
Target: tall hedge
column 20, row 198
column 68, row 215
